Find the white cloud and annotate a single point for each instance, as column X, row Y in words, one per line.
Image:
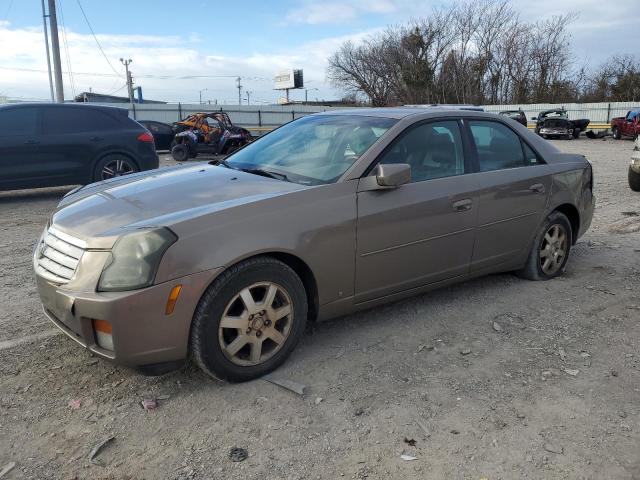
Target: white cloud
column 159, row 65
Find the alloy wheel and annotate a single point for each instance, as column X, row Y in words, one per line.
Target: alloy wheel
column 256, row 324
column 553, row 249
column 116, row 168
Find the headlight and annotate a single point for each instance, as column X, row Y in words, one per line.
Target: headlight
column 134, row 260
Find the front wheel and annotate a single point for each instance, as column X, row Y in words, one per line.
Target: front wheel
column 615, row 133
column 249, row 320
column 634, row 180
column 550, row 250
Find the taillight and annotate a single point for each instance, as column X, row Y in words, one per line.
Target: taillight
column 145, row 137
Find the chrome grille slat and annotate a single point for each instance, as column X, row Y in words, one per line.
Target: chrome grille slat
column 61, row 258
column 63, row 246
column 58, row 255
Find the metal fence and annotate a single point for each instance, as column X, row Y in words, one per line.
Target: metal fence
column 248, row 116
column 263, row 118
column 596, row 112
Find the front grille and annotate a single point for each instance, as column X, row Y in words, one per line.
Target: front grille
column 58, row 255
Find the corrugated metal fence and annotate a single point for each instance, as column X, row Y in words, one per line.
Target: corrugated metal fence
column 248, row 116
column 596, row 112
column 263, row 118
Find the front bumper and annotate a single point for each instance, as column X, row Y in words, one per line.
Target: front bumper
column 555, row 131
column 143, row 334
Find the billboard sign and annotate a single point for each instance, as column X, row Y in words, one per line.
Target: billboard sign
column 288, row 79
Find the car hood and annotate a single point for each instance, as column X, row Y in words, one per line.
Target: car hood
column 99, row 213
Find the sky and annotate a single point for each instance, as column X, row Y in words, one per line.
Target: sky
column 212, row 42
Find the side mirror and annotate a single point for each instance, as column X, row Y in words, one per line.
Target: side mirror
column 393, row 175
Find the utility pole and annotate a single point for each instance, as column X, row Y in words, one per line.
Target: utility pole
column 248, row 96
column 200, row 92
column 126, row 64
column 46, row 44
column 55, row 47
column 239, row 85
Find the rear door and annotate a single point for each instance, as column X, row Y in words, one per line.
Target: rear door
column 20, row 149
column 73, row 137
column 514, row 186
column 422, row 232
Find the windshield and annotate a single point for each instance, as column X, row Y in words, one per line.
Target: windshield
column 313, row 150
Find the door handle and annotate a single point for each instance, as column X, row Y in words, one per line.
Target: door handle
column 96, row 139
column 31, row 142
column 537, row 188
column 462, row 205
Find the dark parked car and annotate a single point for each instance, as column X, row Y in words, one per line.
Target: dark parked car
column 49, row 144
column 555, row 123
column 163, row 133
column 517, row 115
column 329, row 214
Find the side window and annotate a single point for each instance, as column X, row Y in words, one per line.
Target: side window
column 434, row 150
column 530, row 157
column 18, row 121
column 498, row 147
column 76, row 120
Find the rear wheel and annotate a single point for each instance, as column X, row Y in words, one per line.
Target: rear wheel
column 550, row 250
column 249, row 320
column 113, row 166
column 634, row 180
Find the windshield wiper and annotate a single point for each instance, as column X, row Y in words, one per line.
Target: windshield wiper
column 266, row 173
column 224, row 163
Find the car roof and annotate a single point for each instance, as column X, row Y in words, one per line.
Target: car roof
column 403, row 112
column 63, row 105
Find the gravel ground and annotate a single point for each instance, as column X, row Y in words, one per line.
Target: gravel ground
column 555, row 393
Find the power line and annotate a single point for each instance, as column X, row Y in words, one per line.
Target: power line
column 96, row 39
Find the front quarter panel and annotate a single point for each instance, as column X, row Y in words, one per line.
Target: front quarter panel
column 315, row 224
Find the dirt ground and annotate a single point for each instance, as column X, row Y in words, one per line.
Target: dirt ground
column 552, row 391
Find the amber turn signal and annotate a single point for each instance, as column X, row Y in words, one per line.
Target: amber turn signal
column 173, row 298
column 102, row 326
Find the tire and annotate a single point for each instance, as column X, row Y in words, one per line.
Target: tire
column 615, row 133
column 180, row 152
column 634, row 180
column 114, row 165
column 172, row 144
column 534, row 268
column 227, row 352
column 576, row 133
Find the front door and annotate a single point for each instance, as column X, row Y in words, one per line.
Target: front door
column 421, row 232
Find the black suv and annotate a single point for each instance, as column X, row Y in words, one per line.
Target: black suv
column 49, row 144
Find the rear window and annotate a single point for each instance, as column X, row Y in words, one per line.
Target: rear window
column 76, row 120
column 18, row 121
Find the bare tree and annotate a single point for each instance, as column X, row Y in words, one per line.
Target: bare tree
column 475, row 51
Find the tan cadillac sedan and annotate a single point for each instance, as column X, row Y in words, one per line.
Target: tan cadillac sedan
column 326, row 215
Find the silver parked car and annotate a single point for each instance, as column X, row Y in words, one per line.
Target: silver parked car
column 326, row 215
